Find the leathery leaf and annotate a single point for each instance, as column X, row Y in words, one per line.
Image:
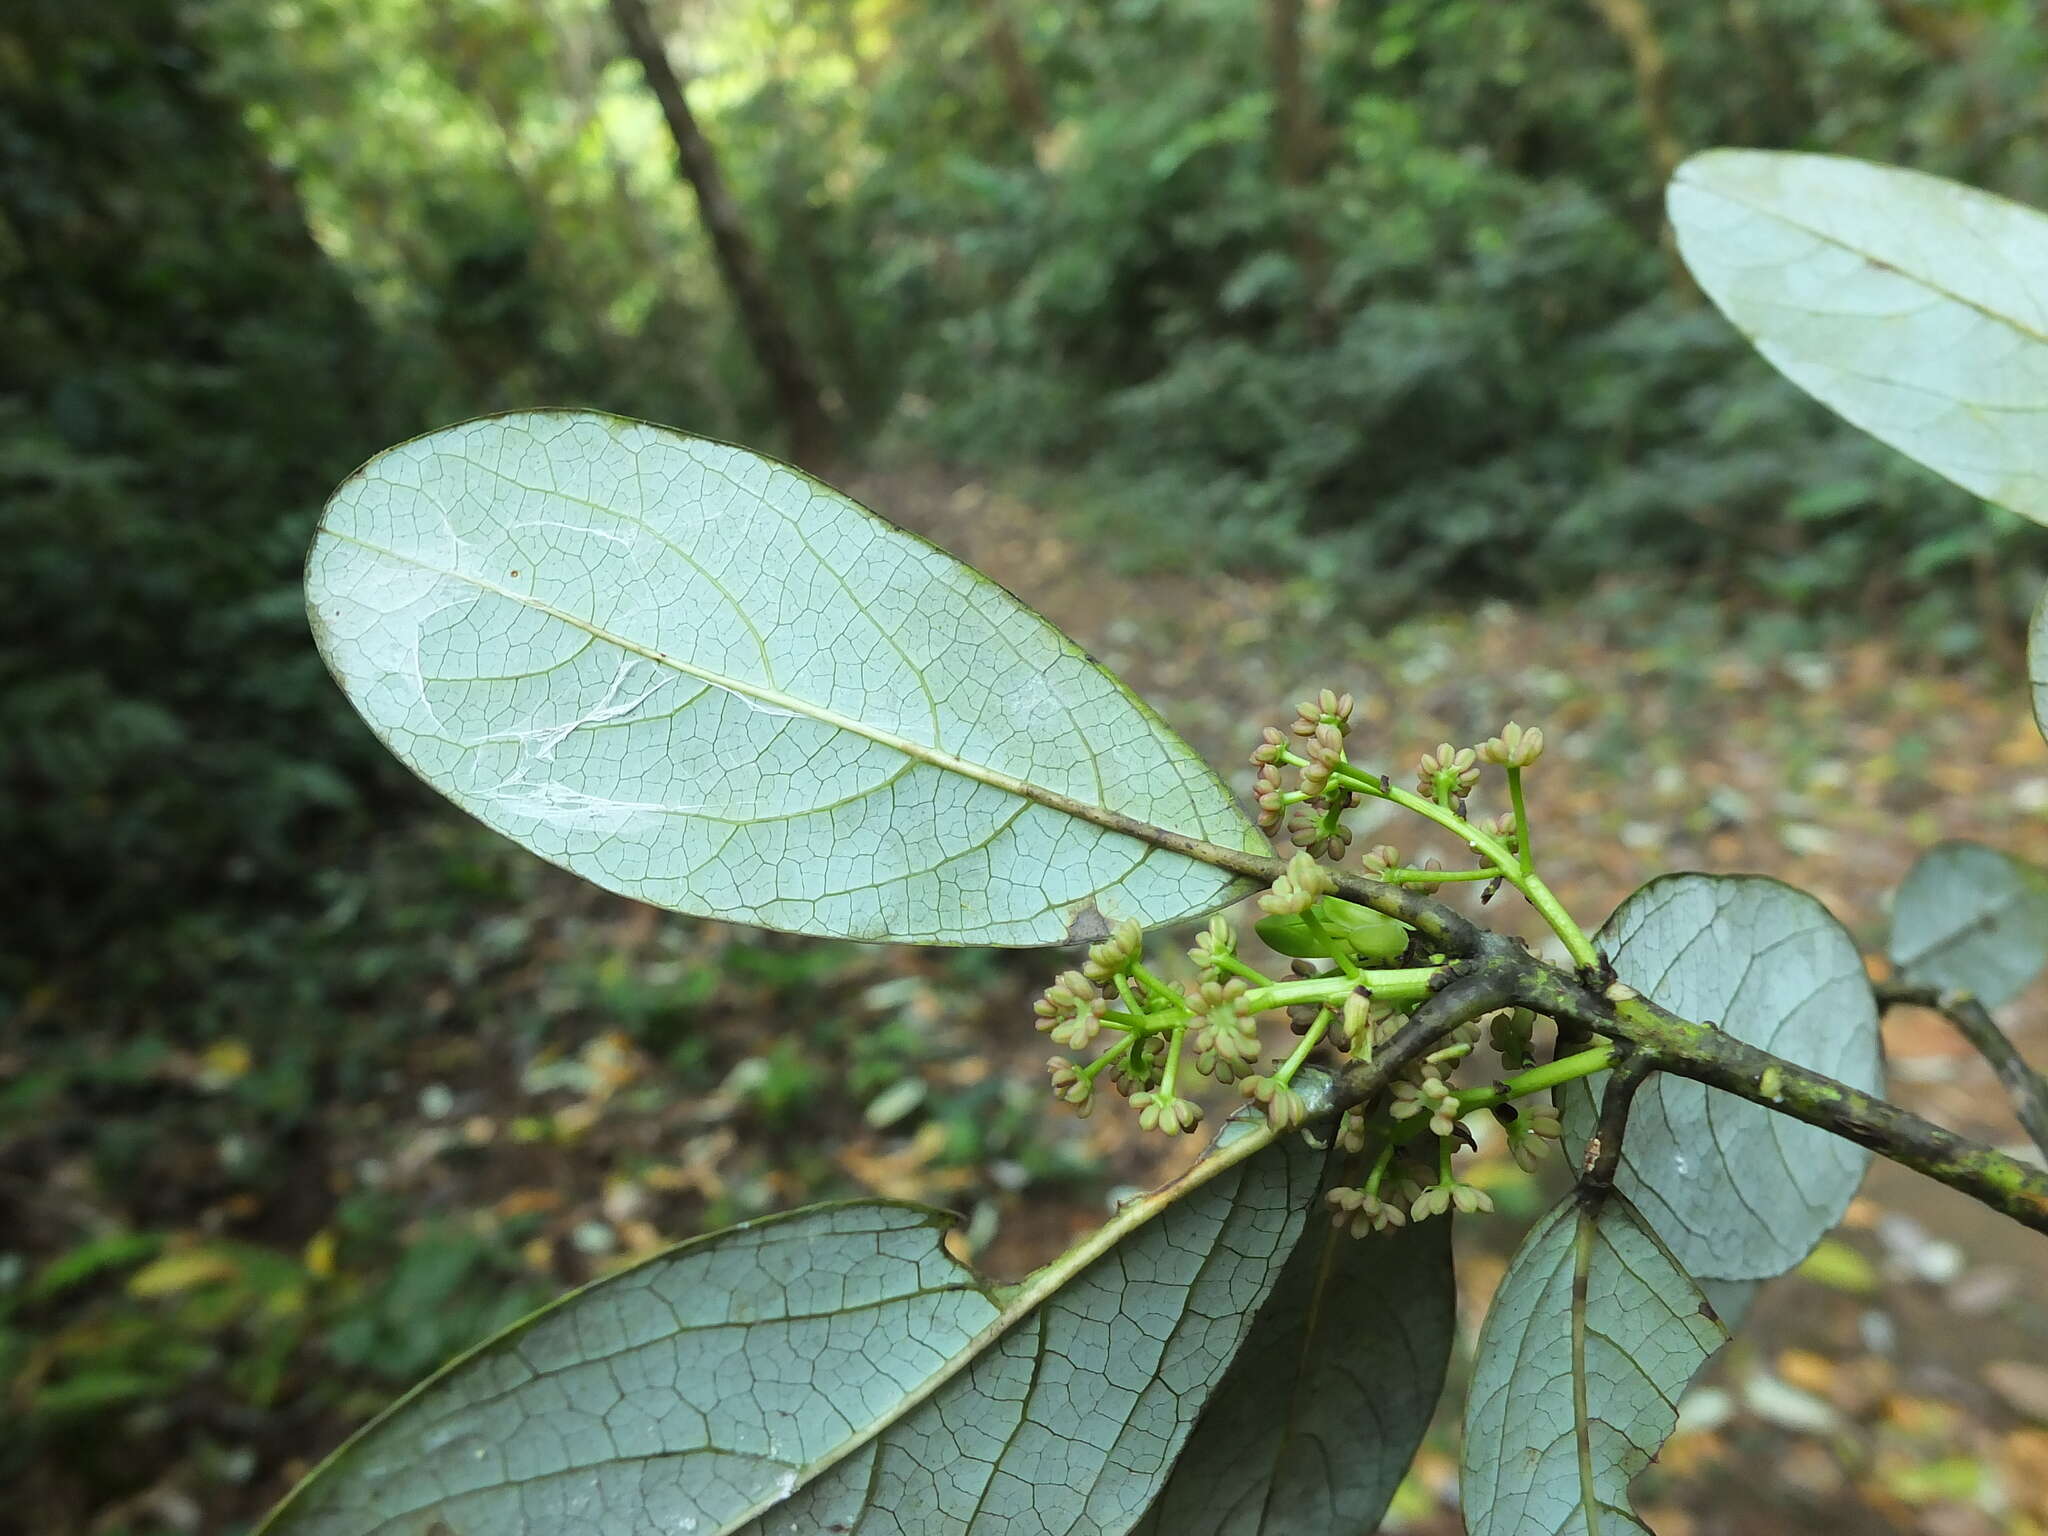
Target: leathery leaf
column 835, row 1369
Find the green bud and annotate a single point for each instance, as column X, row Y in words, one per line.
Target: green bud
column 1370, row 935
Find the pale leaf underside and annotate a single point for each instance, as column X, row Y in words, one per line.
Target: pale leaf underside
column 699, row 677
column 1593, row 1335
column 1970, row 918
column 1738, row 1191
column 835, row 1370
column 1914, row 306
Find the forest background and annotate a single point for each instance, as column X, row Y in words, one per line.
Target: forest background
column 1262, row 345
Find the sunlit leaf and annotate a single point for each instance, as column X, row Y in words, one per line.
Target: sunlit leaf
column 1738, row 1191
column 1593, row 1334
column 835, row 1368
column 1317, row 1421
column 1916, row 307
column 699, row 677
column 1970, row 918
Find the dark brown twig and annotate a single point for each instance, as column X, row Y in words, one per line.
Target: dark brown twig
column 1974, row 1023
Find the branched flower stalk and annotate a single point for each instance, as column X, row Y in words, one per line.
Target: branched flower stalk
column 1395, row 990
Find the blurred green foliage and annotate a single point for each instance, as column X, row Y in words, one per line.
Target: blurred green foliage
column 246, row 243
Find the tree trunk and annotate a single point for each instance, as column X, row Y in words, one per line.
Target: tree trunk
column 1633, row 26
column 1297, row 147
column 1020, row 81
column 769, row 333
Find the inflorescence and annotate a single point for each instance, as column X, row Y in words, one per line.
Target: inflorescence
column 1357, row 975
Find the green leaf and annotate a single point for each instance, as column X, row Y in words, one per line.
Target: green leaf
column 1320, row 1415
column 1370, row 935
column 701, row 678
column 1914, row 306
column 1593, row 1334
column 834, row 1368
column 1972, row 919
column 1737, row 1191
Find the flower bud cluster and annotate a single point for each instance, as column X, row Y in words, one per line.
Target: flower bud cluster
column 1226, row 1041
column 1514, row 747
column 1115, row 954
column 1313, row 811
column 1071, row 1010
column 1448, row 770
column 1305, row 883
column 1160, row 1111
column 1527, row 1134
column 1510, row 1033
column 1328, row 710
column 1153, row 1039
column 1286, row 1110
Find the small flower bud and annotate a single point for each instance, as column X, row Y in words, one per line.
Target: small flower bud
column 1115, row 954
column 1351, row 1133
column 1380, row 858
column 1217, row 939
column 1286, row 1110
column 1355, row 1021
column 1433, row 1201
column 1469, row 1200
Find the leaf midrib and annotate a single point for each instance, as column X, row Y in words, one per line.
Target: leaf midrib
column 1028, row 1297
column 1931, row 285
column 995, row 778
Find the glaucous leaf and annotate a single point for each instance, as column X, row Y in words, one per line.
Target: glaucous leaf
column 1593, row 1334
column 834, row 1368
column 1314, row 1427
column 1915, row 307
column 1971, row 918
column 701, row 678
column 1737, row 1191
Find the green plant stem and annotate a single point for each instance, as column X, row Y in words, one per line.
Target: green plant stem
column 1341, row 953
column 1526, row 855
column 1551, row 1074
column 1232, row 966
column 1153, row 984
column 1404, row 986
column 1378, row 1175
column 1970, row 1019
column 1490, row 848
column 1437, row 876
column 1168, row 1078
column 1108, row 1058
column 1123, row 992
column 1310, row 1039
